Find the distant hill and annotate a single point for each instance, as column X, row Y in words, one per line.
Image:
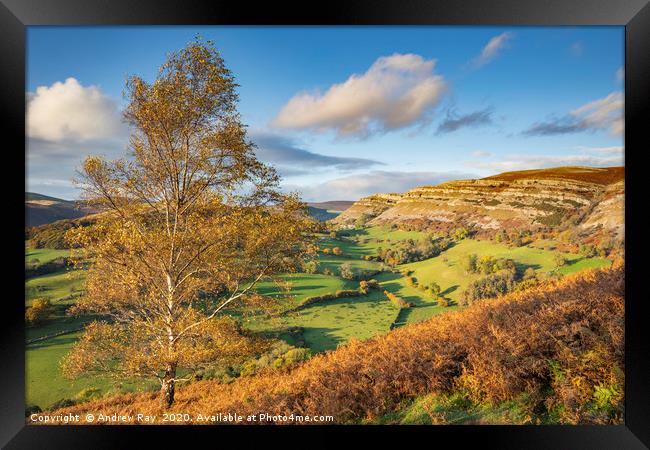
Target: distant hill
column 333, row 205
column 604, row 176
column 328, row 210
column 586, row 201
column 42, row 209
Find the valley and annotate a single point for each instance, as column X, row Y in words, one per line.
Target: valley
column 321, row 326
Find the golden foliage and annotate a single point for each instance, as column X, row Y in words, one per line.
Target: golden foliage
column 193, row 220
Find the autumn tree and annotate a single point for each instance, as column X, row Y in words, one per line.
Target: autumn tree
column 191, row 221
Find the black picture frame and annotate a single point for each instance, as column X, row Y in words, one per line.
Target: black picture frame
column 15, row 15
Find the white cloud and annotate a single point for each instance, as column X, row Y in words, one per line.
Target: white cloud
column 492, row 49
column 70, row 111
column 526, row 162
column 395, row 92
column 66, row 122
column 481, row 154
column 353, row 187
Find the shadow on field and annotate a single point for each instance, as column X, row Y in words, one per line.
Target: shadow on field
column 321, row 339
column 449, row 290
column 354, row 232
column 521, row 267
column 54, row 341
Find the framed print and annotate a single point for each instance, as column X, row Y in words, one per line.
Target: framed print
column 412, row 216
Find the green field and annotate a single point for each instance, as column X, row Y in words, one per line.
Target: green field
column 305, row 285
column 325, row 325
column 453, row 279
column 44, row 255
column 44, row 381
column 332, row 322
column 45, row 384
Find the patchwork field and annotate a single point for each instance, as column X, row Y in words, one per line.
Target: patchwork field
column 447, row 271
column 323, row 325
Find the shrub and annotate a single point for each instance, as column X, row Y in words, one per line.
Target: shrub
column 337, row 251
column 469, row 263
column 296, row 355
column 490, row 286
column 327, row 251
column 588, row 251
column 346, row 272
column 559, row 260
column 411, row 251
column 460, row 233
column 281, row 355
column 529, row 273
column 39, row 311
column 363, row 287
column 434, row 288
column 397, row 301
column 347, row 293
column 310, row 267
column 88, row 394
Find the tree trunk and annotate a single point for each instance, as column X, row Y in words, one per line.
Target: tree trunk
column 168, row 388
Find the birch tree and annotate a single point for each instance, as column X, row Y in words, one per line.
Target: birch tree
column 191, row 221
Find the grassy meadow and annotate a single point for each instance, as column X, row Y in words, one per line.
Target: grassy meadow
column 323, row 325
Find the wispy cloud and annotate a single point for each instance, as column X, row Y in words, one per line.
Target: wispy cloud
column 353, row 187
column 613, row 150
column 481, row 154
column 525, row 162
column 455, row 121
column 396, row 92
column 603, row 114
column 291, row 160
column 492, row 49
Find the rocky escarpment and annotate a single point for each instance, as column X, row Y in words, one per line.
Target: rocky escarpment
column 368, row 208
column 528, row 200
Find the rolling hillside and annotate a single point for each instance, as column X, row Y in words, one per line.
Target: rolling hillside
column 41, row 209
column 541, row 366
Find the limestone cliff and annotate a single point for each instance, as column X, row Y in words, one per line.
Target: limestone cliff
column 534, row 200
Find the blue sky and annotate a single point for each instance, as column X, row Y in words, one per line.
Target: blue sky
column 343, row 112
